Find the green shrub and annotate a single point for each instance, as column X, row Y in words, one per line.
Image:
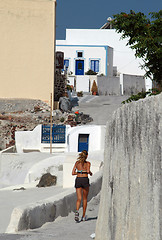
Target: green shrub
column 62, row 119
column 69, row 87
column 90, row 72
column 141, row 95
column 80, row 94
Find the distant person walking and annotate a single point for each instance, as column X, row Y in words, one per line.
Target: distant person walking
column 82, row 169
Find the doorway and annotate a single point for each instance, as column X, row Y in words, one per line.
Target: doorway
column 83, row 142
column 79, row 67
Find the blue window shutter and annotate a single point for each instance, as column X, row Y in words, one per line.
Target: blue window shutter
column 66, row 63
column 95, row 65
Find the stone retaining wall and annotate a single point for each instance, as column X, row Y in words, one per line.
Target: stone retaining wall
column 59, row 86
column 130, row 204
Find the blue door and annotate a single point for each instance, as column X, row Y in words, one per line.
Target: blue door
column 79, row 67
column 83, row 142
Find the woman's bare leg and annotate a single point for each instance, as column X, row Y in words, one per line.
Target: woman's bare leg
column 79, row 198
column 85, row 196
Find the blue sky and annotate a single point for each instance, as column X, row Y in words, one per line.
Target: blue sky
column 94, row 13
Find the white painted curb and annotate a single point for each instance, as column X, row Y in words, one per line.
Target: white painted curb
column 34, row 215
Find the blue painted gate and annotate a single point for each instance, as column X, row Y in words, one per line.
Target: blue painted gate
column 79, row 67
column 83, row 142
column 58, row 133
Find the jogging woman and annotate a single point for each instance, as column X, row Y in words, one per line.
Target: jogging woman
column 81, row 169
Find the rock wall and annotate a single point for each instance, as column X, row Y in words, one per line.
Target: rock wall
column 59, row 86
column 130, row 204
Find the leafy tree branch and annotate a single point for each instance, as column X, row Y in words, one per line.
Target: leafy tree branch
column 145, row 37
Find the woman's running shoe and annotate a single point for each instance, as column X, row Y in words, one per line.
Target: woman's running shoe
column 77, row 216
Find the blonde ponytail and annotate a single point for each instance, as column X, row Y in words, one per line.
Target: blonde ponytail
column 82, row 157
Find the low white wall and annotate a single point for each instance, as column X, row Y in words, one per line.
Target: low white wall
column 28, row 139
column 82, row 83
column 133, row 84
column 52, row 165
column 34, row 215
column 8, row 150
column 31, row 140
column 56, row 147
column 108, row 85
column 14, row 167
column 71, row 80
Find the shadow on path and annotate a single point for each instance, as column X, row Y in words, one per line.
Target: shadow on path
column 91, row 218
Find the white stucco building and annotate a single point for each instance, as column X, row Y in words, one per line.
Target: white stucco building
column 65, row 139
column 80, row 58
column 99, row 50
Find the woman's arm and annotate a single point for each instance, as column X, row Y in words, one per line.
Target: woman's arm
column 74, row 170
column 88, row 169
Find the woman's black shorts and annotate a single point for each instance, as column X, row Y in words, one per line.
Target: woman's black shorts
column 82, row 182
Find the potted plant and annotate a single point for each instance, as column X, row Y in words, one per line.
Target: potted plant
column 90, row 72
column 94, row 88
column 80, row 94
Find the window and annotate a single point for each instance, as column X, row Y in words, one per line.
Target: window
column 95, row 65
column 80, row 65
column 80, row 54
column 58, row 134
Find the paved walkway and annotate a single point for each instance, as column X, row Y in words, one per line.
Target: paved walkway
column 63, row 228
column 100, row 108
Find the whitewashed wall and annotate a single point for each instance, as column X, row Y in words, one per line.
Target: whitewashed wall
column 108, row 85
column 28, row 139
column 31, row 140
column 71, row 80
column 96, row 136
column 82, row 83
